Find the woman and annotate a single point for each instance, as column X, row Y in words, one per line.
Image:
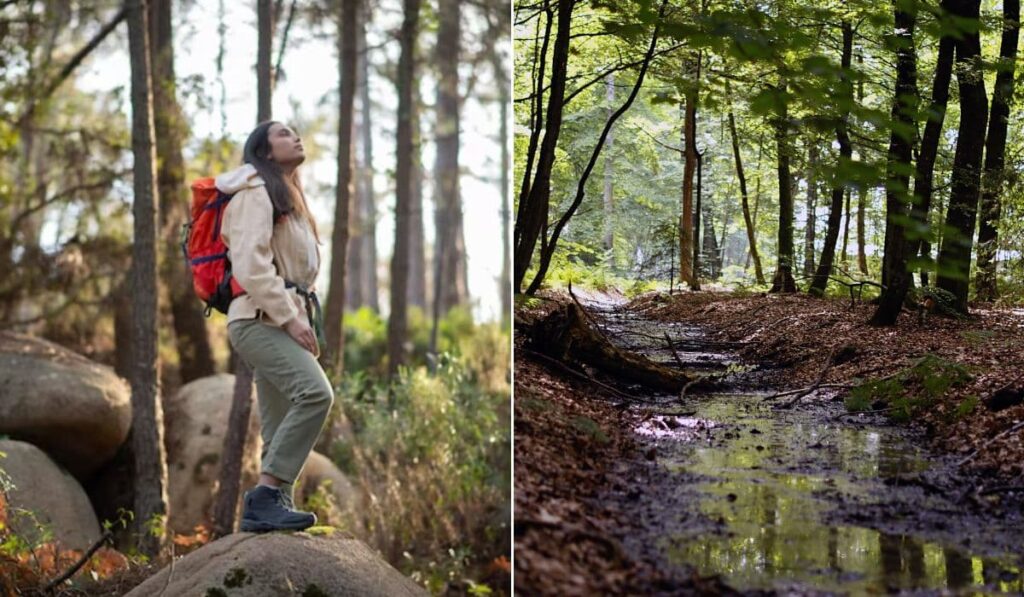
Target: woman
column 273, row 243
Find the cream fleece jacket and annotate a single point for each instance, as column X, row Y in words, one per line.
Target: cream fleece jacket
column 263, row 254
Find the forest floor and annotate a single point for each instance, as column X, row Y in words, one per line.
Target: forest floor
column 690, row 495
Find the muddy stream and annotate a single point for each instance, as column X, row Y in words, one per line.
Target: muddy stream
column 797, row 501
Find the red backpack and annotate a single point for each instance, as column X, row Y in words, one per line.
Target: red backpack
column 206, row 255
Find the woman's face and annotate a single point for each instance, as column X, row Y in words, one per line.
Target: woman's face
column 285, row 145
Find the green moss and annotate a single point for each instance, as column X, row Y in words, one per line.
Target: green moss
column 237, row 577
column 312, row 590
column 590, row 428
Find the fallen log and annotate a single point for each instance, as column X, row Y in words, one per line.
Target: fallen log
column 566, row 334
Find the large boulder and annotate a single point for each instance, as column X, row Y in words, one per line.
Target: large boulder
column 196, row 421
column 247, row 564
column 320, row 470
column 50, row 493
column 75, row 410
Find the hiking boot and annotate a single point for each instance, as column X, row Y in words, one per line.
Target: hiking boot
column 265, row 511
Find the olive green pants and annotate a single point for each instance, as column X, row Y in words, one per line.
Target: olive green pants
column 293, row 393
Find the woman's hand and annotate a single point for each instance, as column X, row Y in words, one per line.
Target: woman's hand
column 300, row 331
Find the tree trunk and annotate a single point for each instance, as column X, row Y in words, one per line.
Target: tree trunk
column 995, row 149
column 536, row 119
column 747, row 219
column 901, row 141
column 839, row 189
column 195, row 355
column 924, row 172
column 954, row 261
column 264, row 73
column 504, row 101
column 398, row 319
column 533, row 213
column 810, row 205
column 369, row 204
column 225, row 506
column 334, row 313
column 417, row 290
column 783, row 280
column 548, row 248
column 862, row 206
column 687, row 263
column 150, row 470
column 609, row 177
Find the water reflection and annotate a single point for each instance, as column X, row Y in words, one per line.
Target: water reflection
column 771, row 477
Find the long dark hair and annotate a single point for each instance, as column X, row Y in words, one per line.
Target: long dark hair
column 283, row 193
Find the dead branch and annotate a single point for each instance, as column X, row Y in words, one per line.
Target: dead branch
column 815, row 385
column 562, row 366
column 970, row 457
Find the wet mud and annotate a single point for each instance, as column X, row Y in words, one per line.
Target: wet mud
column 803, row 501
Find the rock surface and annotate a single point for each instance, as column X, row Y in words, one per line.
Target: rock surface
column 55, row 498
column 75, row 410
column 196, row 421
column 319, row 469
column 281, row 563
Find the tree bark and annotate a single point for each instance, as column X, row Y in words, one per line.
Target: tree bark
column 195, row 356
column 839, row 189
column 954, row 262
column 687, row 263
column 783, row 280
column 810, row 205
column 533, row 213
column 504, row 101
column 369, row 195
column 747, row 219
column 609, row 172
column 417, row 289
column 398, row 318
column 901, row 141
column 225, row 506
column 334, row 313
column 924, row 172
column 150, row 469
column 995, row 149
column 536, row 121
column 264, row 74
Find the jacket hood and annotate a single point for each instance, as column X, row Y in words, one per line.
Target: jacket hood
column 232, row 181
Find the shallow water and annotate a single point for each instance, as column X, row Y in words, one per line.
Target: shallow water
column 779, row 494
column 794, row 501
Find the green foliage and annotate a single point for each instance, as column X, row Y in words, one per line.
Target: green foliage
column 589, row 428
column 431, row 454
column 912, row 389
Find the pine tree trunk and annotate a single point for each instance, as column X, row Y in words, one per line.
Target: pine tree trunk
column 398, row 319
column 995, row 149
column 954, row 262
column 369, row 204
column 195, row 356
column 417, row 290
column 334, row 313
column 150, row 469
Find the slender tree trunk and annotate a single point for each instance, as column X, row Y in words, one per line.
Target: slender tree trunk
column 334, row 312
column 397, row 320
column 687, row 262
column 783, row 280
column 862, row 206
column 446, row 166
column 195, row 355
column 150, row 468
column 417, row 291
column 236, row 438
column 897, row 196
column 264, row 72
column 534, row 211
column 536, row 121
column 924, row 172
column 995, row 149
column 504, row 100
column 747, row 218
column 369, row 237
column 609, row 171
column 548, row 249
column 810, row 205
column 954, row 263
column 839, row 189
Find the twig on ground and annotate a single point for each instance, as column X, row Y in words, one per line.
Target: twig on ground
column 970, row 457
column 675, row 354
column 815, row 385
column 107, row 536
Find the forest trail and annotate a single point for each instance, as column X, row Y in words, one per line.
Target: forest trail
column 802, row 500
